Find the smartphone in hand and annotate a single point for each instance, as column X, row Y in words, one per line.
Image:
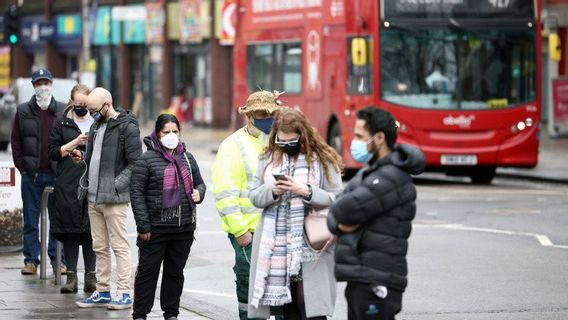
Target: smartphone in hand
column 279, row 176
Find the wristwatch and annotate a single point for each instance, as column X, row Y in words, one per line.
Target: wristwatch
column 310, row 193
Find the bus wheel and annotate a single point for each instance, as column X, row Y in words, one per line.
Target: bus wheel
column 334, row 137
column 483, row 175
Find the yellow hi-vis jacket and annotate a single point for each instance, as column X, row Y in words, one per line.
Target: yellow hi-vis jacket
column 233, row 171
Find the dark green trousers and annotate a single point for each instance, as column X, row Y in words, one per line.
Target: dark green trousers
column 241, row 269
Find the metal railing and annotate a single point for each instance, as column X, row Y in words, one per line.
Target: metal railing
column 43, row 253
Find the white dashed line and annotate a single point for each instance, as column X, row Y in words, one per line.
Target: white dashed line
column 542, row 239
column 210, row 293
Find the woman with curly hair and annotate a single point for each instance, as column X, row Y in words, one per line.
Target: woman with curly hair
column 297, row 170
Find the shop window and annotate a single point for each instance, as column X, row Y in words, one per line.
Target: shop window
column 360, row 65
column 275, row 66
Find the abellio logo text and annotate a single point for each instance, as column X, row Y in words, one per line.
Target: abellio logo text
column 460, row 121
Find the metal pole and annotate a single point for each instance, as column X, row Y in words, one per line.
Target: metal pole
column 57, row 262
column 43, row 242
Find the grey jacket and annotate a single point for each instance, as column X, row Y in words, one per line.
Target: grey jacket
column 320, row 287
column 121, row 149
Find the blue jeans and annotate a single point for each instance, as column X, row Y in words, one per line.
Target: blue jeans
column 32, row 189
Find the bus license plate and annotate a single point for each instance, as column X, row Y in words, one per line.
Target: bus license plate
column 459, row 159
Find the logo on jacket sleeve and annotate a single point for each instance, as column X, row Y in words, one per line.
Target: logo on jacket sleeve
column 373, row 309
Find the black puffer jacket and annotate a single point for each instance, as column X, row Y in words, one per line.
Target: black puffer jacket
column 146, row 193
column 27, row 146
column 380, row 198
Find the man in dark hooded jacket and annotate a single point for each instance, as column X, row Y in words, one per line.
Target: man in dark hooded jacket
column 373, row 216
column 113, row 148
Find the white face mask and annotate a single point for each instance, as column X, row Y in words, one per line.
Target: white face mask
column 170, row 140
column 43, row 96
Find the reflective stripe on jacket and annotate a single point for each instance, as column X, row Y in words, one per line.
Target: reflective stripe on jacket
column 234, row 168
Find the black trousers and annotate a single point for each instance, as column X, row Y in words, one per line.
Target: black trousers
column 171, row 249
column 71, row 243
column 363, row 304
column 296, row 310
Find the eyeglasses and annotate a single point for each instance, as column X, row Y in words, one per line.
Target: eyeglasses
column 78, row 106
column 281, row 144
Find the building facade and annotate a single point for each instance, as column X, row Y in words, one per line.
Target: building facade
column 166, row 59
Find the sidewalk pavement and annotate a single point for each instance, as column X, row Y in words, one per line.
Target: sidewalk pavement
column 29, row 297
column 552, row 160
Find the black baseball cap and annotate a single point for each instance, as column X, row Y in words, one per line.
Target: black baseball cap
column 41, row 74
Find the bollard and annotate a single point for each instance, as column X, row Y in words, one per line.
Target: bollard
column 43, row 253
column 57, row 262
column 43, row 226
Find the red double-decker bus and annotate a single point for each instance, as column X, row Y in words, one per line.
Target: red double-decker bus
column 460, row 76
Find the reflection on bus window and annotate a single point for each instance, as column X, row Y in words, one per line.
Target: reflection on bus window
column 275, row 66
column 449, row 69
column 360, row 76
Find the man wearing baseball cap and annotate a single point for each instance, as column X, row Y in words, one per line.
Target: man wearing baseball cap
column 30, row 134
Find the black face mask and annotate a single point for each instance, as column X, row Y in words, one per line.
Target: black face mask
column 80, row 110
column 291, row 150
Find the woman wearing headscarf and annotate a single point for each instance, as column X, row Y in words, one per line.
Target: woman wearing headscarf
column 297, row 171
column 165, row 187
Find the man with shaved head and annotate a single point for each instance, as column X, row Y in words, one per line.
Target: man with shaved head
column 113, row 148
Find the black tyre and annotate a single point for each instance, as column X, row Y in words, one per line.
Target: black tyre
column 482, row 175
column 4, row 145
column 334, row 137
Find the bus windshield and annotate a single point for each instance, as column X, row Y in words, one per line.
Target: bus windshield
column 450, row 68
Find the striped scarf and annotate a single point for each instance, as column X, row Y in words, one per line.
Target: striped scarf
column 171, row 194
column 282, row 248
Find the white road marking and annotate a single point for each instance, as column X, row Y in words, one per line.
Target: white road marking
column 493, row 191
column 210, row 293
column 542, row 239
column 199, row 233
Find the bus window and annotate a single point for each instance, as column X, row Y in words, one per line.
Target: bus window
column 359, row 65
column 292, row 68
column 443, row 68
column 275, row 66
column 260, row 67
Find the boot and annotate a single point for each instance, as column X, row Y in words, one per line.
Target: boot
column 71, row 285
column 90, row 281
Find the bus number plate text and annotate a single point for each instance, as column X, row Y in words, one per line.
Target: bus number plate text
column 457, row 159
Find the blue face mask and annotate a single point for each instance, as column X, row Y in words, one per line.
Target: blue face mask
column 263, row 125
column 359, row 150
column 97, row 115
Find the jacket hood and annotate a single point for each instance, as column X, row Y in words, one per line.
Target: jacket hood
column 407, row 158
column 148, row 143
column 124, row 116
